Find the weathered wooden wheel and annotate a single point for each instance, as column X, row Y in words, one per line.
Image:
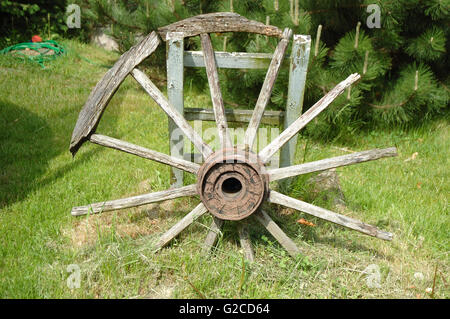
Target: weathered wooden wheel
column 233, row 182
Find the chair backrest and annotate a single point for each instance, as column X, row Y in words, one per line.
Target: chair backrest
column 177, row 59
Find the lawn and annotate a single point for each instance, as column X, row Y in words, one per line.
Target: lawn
column 40, row 182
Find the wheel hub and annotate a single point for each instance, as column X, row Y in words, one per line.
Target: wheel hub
column 232, row 184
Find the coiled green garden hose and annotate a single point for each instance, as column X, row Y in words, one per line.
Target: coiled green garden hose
column 39, row 52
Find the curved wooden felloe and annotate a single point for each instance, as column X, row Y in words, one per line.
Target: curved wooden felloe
column 104, row 90
column 219, row 22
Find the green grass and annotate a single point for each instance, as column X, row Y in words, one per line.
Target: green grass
column 40, row 182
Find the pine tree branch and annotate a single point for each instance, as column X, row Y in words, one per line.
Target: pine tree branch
column 324, row 89
column 344, row 7
column 114, row 21
column 389, row 106
column 336, row 8
column 444, row 86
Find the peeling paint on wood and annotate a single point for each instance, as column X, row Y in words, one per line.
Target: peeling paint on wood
column 233, row 60
column 297, row 79
column 233, row 115
column 175, row 80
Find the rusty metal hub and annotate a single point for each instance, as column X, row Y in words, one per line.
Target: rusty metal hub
column 232, row 184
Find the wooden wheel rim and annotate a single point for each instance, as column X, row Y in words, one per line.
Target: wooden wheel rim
column 228, row 163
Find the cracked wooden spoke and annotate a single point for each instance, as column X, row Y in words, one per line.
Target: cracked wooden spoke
column 214, row 231
column 179, row 120
column 359, row 157
column 245, row 242
column 181, row 225
column 135, row 200
column 305, row 118
column 216, row 95
column 266, row 89
column 144, row 152
column 278, row 198
column 277, row 233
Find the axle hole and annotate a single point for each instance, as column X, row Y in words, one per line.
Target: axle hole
column 231, row 187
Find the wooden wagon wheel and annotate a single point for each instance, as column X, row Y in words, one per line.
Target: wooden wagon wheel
column 233, row 182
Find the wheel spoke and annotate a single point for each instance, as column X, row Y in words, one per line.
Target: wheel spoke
column 144, row 152
column 360, row 157
column 316, row 211
column 214, row 231
column 181, row 225
column 179, row 120
column 305, row 118
column 216, row 94
column 246, row 244
column 135, row 200
column 277, row 233
column 266, row 89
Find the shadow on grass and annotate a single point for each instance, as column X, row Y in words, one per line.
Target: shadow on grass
column 26, row 147
column 289, row 225
column 352, row 246
column 25, row 150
